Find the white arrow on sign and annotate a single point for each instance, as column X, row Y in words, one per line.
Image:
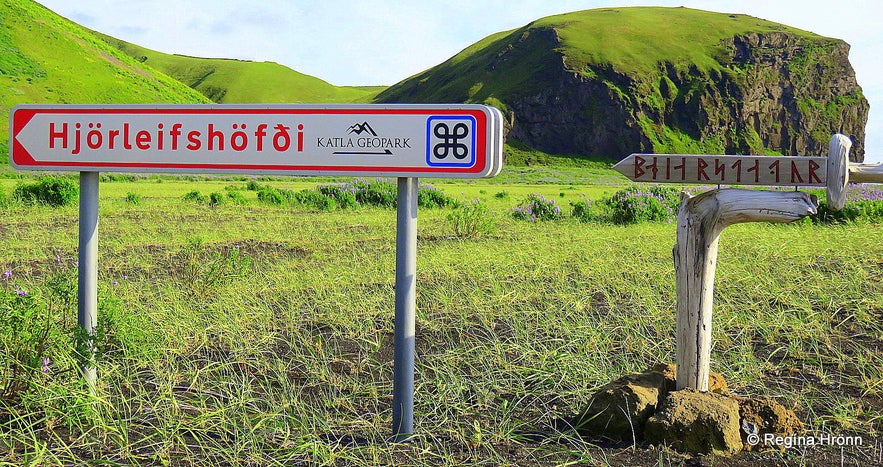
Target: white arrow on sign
column 739, row 170
column 833, row 172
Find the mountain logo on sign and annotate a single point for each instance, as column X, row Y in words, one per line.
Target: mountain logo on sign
column 360, row 128
column 363, row 141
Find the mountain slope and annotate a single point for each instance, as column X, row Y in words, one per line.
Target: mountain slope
column 240, row 81
column 611, row 82
column 46, row 59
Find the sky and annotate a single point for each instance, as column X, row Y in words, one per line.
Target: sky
column 381, row 42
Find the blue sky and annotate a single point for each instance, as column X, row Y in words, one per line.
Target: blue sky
column 384, row 41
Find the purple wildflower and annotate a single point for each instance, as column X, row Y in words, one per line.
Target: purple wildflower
column 536, row 207
column 7, row 274
column 861, row 192
column 46, row 362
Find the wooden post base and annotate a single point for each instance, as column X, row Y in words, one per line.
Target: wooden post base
column 701, row 219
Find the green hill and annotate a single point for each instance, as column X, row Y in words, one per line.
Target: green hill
column 609, row 82
column 239, row 81
column 46, row 59
column 632, row 41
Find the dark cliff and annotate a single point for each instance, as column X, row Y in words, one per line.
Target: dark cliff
column 667, row 80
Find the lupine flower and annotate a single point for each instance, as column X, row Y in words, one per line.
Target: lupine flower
column 7, row 274
column 857, row 192
column 536, row 207
column 45, row 368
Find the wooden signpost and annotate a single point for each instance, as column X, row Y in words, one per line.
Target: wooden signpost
column 724, row 170
column 701, row 219
column 405, row 141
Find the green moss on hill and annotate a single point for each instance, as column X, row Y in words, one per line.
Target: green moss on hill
column 47, row 59
column 634, row 41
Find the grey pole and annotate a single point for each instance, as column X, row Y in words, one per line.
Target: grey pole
column 87, row 283
column 406, row 304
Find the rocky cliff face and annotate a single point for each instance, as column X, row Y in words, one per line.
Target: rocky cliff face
column 777, row 93
column 795, row 94
column 611, row 82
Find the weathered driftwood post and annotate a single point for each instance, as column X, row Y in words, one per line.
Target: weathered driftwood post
column 701, row 219
column 838, row 171
column 841, row 171
column 866, row 173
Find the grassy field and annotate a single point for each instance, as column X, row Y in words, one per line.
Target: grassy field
column 255, row 334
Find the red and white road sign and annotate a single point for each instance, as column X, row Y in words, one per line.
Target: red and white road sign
column 455, row 141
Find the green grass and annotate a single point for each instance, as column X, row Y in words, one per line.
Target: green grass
column 262, row 335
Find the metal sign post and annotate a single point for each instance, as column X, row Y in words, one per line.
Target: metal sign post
column 405, row 309
column 87, row 282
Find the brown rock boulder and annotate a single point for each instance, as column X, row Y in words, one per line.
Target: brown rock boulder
column 619, row 409
column 765, row 416
column 692, row 421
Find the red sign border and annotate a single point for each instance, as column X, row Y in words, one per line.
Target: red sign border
column 22, row 159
